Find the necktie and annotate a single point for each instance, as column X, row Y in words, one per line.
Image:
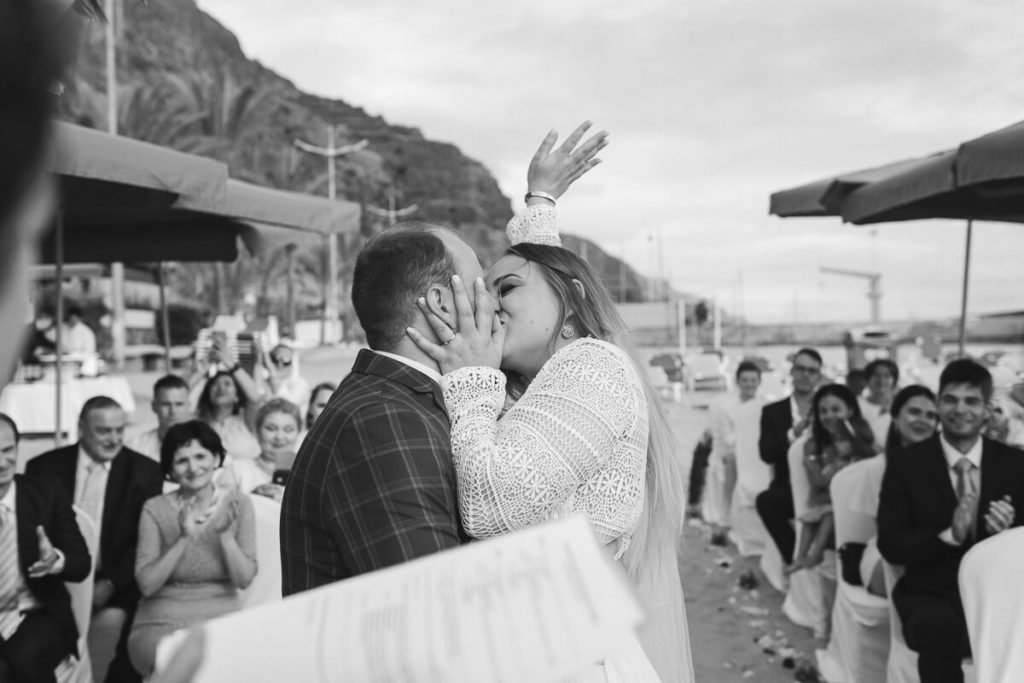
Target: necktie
column 9, row 574
column 93, row 490
column 965, row 486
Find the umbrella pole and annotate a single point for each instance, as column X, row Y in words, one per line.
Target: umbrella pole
column 59, row 338
column 963, row 295
column 165, row 318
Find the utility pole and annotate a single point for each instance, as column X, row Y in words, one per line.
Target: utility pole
column 118, row 332
column 331, row 152
column 391, row 213
column 874, row 288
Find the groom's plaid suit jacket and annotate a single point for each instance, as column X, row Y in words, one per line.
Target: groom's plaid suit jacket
column 373, row 484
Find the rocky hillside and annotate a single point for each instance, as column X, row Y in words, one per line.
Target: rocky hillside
column 184, row 82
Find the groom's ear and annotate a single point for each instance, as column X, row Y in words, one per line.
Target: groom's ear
column 441, row 303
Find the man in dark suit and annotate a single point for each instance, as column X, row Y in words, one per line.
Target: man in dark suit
column 782, row 423
column 40, row 549
column 373, row 484
column 938, row 498
column 110, row 483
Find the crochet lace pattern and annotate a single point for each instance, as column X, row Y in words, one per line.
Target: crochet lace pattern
column 576, row 441
column 536, row 224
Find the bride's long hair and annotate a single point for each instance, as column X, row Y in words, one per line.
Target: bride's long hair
column 592, row 312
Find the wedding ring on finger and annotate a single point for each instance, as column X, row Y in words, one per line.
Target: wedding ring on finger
column 450, row 340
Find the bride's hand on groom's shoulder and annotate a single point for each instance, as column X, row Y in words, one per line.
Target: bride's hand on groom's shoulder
column 479, row 337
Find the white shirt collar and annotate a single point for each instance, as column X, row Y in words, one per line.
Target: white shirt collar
column 9, row 497
column 84, row 459
column 953, row 455
column 432, row 373
column 795, row 409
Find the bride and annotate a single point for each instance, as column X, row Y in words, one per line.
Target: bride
column 569, row 423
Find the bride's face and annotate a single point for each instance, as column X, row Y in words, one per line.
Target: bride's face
column 530, row 311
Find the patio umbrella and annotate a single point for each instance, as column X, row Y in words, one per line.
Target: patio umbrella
column 979, row 180
column 825, row 197
column 126, row 200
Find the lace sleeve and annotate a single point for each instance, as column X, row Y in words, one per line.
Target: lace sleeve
column 575, row 440
column 537, row 224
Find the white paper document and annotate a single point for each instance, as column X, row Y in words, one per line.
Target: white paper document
column 536, row 605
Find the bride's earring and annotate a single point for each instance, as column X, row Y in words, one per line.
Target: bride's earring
column 568, row 331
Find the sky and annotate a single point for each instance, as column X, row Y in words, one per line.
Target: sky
column 711, row 106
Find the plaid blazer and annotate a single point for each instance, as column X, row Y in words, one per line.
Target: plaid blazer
column 373, row 484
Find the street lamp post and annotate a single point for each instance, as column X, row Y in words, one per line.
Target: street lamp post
column 391, row 213
column 331, row 152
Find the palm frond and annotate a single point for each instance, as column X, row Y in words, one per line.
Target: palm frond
column 90, row 9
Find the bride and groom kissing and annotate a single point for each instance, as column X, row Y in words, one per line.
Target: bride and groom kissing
column 489, row 403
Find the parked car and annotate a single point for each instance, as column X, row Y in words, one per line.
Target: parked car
column 707, row 371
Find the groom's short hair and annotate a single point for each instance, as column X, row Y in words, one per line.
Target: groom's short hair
column 392, row 271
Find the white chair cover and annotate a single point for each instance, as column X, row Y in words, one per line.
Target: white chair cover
column 859, row 647
column 994, row 606
column 805, row 600
column 753, row 476
column 720, row 480
column 79, row 670
column 266, row 586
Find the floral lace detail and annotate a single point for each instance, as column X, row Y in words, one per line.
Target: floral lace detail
column 576, row 441
column 535, row 224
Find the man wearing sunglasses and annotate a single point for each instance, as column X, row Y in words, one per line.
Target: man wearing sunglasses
column 782, row 423
column 284, row 378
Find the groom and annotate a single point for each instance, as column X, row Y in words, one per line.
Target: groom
column 373, row 484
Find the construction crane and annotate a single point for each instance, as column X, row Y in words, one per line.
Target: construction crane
column 874, row 287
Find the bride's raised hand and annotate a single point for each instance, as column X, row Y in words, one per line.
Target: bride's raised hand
column 479, row 338
column 553, row 170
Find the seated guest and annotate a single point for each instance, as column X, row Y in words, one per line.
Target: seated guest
column 1006, row 420
column 277, row 429
column 883, row 375
column 78, row 337
column 839, row 436
column 782, row 423
column 170, row 404
column 915, row 418
column 856, row 380
column 40, row 549
column 284, row 378
column 110, row 483
column 318, row 399
column 197, row 545
column 939, row 497
column 226, row 407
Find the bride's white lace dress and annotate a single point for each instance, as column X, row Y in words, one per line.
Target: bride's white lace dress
column 575, row 441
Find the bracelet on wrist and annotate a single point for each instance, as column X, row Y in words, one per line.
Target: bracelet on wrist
column 540, row 195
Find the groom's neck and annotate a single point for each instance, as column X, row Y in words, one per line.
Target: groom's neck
column 407, row 349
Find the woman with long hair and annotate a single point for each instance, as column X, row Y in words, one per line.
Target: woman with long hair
column 570, row 423
column 915, row 417
column 839, row 436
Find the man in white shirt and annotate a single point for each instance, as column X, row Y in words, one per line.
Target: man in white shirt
column 938, row 498
column 37, row 627
column 171, row 406
column 79, row 337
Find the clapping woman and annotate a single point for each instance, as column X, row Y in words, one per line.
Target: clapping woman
column 197, row 545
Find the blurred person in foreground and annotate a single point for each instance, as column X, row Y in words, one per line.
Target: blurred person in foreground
column 197, row 544
column 170, row 405
column 110, row 483
column 41, row 548
column 570, row 422
column 939, row 497
column 33, row 37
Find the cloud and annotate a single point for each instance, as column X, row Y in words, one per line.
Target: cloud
column 712, row 106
